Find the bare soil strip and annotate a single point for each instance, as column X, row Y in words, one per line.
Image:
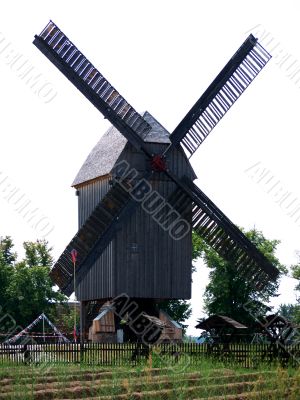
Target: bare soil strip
column 164, row 381
column 78, row 392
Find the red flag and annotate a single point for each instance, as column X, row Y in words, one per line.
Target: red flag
column 74, row 255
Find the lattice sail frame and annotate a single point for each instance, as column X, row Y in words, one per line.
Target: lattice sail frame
column 223, row 92
column 222, row 235
column 77, row 68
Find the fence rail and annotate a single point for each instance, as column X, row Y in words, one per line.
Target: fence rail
column 246, row 355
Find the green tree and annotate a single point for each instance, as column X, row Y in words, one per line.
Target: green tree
column 295, row 309
column 26, row 289
column 291, row 312
column 296, row 274
column 7, row 259
column 38, row 254
column 227, row 292
column 6, row 250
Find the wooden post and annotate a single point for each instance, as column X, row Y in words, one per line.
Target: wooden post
column 83, row 306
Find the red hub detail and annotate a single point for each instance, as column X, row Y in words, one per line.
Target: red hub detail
column 158, row 163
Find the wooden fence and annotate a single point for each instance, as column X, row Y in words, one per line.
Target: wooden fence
column 245, row 355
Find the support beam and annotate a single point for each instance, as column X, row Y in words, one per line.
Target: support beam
column 83, row 327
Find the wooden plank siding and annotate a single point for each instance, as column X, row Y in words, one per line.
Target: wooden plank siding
column 105, row 324
column 142, row 260
column 98, row 282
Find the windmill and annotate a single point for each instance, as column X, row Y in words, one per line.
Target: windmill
column 137, row 200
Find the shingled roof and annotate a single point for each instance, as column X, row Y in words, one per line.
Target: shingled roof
column 219, row 321
column 104, row 155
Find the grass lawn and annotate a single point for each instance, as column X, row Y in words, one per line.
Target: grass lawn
column 209, row 380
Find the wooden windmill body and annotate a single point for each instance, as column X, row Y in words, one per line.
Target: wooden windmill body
column 143, row 260
column 126, row 245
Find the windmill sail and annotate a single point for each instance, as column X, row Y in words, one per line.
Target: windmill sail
column 55, row 45
column 222, row 93
column 222, row 235
column 91, row 239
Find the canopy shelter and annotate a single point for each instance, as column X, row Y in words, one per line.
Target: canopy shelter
column 221, row 328
column 37, row 336
column 218, row 322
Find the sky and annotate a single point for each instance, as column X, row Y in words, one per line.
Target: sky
column 161, row 56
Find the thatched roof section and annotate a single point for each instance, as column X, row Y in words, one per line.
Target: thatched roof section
column 218, row 322
column 105, row 154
